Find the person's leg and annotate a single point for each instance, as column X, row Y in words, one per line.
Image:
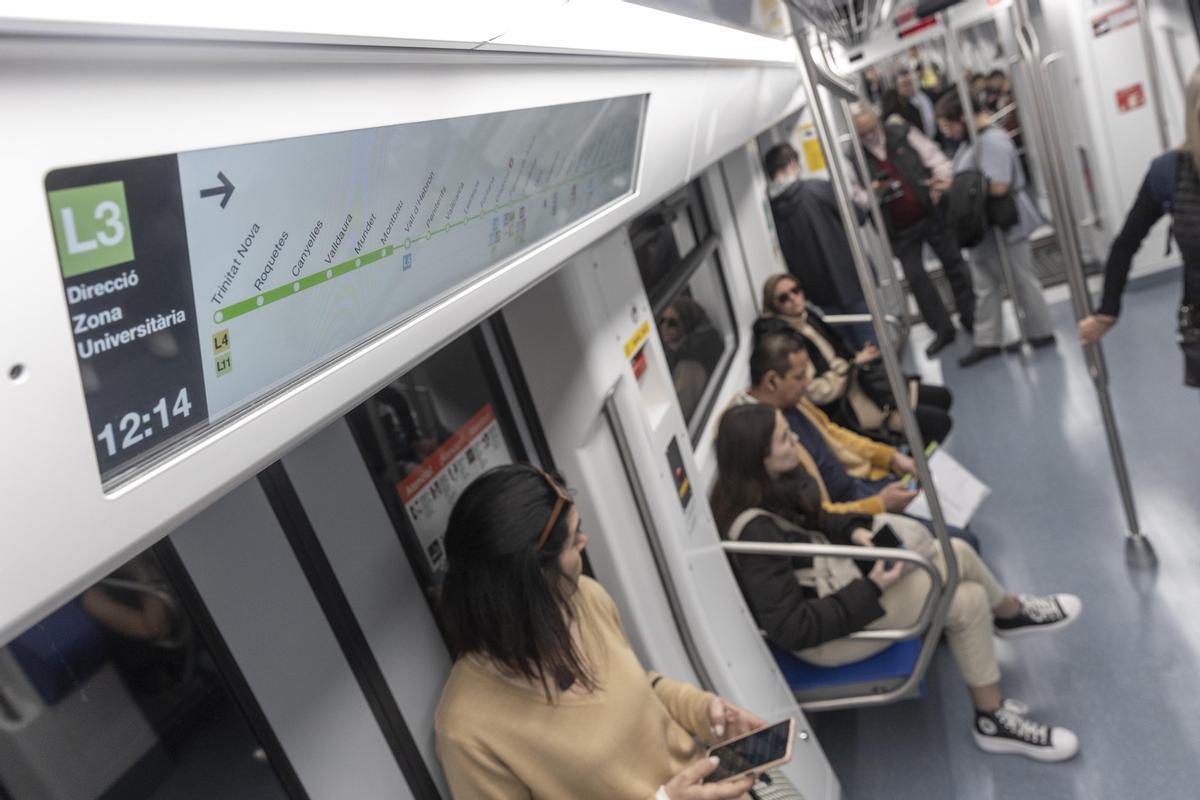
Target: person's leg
column 989, row 296
column 954, row 531
column 936, row 396
column 948, row 252
column 908, row 249
column 933, row 422
column 1038, row 325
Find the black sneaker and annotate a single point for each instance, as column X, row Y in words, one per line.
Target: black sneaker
column 1038, row 613
column 1009, row 730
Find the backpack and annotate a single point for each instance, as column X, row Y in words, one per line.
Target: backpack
column 967, row 207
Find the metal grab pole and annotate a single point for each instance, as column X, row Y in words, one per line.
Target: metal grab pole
column 1156, row 98
column 889, row 280
column 841, row 191
column 1138, row 549
column 955, row 65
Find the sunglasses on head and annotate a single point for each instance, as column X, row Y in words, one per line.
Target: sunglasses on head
column 561, row 501
column 783, row 296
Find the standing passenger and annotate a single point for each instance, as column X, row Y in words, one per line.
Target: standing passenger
column 546, row 698
column 998, row 162
column 910, row 174
column 813, row 240
column 1171, row 186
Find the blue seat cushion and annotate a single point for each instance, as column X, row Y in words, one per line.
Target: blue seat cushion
column 60, row 652
column 896, row 661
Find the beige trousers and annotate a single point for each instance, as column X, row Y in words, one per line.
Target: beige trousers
column 968, row 621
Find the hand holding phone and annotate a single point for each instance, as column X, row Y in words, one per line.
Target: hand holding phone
column 754, row 752
column 886, row 537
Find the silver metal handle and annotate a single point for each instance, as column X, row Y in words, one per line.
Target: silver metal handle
column 793, row 549
column 1035, row 66
column 629, row 464
column 841, row 189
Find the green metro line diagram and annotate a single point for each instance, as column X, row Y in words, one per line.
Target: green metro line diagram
column 321, row 277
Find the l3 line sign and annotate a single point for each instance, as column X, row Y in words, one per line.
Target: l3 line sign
column 199, row 283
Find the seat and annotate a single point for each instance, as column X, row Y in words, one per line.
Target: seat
column 881, row 673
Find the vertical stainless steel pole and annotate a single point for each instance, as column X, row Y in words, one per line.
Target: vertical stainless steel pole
column 955, row 65
column 1138, row 549
column 841, row 189
column 890, row 281
column 1156, row 98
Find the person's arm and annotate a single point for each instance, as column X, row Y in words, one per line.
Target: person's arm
column 831, row 384
column 686, row 704
column 792, row 619
column 840, row 527
column 1141, row 218
column 857, row 192
column 997, row 161
column 869, row 505
column 473, row 771
column 931, row 155
column 878, row 454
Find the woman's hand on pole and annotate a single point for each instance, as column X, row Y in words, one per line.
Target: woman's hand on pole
column 1092, row 327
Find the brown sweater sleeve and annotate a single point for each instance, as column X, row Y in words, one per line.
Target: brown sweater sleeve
column 686, row 704
column 472, row 771
column 870, row 505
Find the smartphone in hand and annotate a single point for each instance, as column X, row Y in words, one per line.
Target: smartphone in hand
column 886, row 537
column 756, row 751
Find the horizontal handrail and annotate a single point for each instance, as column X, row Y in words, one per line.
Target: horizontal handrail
column 854, row 319
column 793, row 549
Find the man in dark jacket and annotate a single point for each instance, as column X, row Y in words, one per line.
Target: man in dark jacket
column 910, row 174
column 813, row 240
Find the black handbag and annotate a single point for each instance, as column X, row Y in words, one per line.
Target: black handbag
column 1002, row 211
column 872, row 379
column 1189, row 342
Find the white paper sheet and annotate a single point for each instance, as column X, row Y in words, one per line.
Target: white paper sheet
column 960, row 492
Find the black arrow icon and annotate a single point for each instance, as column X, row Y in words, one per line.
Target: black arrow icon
column 226, row 188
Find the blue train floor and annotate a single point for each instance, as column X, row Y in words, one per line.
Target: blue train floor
column 1126, row 677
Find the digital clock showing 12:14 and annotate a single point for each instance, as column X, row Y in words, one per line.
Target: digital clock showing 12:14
column 135, row 427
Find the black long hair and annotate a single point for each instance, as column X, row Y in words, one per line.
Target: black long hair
column 743, row 444
column 503, row 597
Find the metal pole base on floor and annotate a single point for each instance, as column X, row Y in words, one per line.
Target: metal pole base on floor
column 1139, row 553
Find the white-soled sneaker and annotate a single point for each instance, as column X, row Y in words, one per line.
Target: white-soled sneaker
column 1040, row 614
column 1009, row 730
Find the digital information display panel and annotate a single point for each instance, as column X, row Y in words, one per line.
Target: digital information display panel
column 200, row 282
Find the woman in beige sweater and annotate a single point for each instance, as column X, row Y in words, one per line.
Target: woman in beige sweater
column 546, row 698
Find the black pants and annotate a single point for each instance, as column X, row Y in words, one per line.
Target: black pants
column 932, row 412
column 908, row 248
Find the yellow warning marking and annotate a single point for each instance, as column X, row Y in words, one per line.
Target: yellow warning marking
column 638, row 338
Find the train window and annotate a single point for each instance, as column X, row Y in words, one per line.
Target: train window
column 115, row 694
column 676, row 250
column 428, row 434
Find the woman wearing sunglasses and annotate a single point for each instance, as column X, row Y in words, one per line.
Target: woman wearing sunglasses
column 546, row 698
column 851, row 387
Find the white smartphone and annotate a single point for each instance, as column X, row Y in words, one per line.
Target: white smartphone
column 754, row 752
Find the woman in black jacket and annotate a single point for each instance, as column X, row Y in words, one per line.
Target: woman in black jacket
column 762, row 496
column 1172, row 185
